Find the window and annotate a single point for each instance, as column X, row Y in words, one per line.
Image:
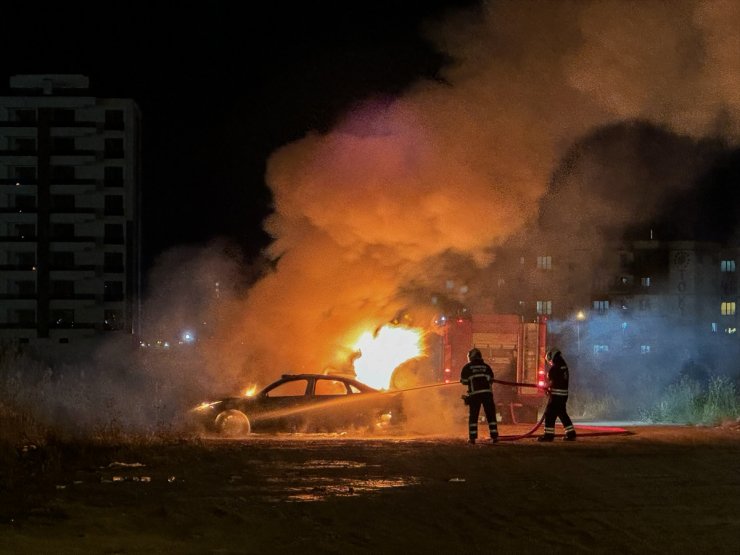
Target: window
column 25, row 174
column 730, row 331
column 294, row 388
column 114, row 119
column 727, row 308
column 645, row 281
column 63, row 173
column 25, row 259
column 601, row 349
column 714, row 327
column 24, row 115
column 601, row 283
column 26, row 287
column 114, row 234
column 24, row 145
column 544, row 307
column 63, row 318
column 113, row 176
column 62, row 231
column 727, row 266
column 330, row 387
column 63, row 115
column 112, row 320
column 63, row 203
column 25, row 231
column 62, row 260
column 113, row 205
column 114, row 148
column 63, row 289
column 113, row 262
column 544, row 262
column 601, row 306
column 25, row 316
column 62, row 145
column 113, row 291
column 644, row 349
column 25, row 202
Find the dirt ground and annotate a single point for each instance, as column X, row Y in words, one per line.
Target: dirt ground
column 658, row 490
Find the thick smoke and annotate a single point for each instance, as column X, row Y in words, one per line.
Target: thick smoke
column 411, row 193
column 457, row 166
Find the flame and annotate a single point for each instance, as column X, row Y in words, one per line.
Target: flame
column 250, row 391
column 382, row 352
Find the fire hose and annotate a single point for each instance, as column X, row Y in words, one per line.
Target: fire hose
column 593, row 430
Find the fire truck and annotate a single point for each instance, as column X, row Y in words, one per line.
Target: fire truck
column 515, row 350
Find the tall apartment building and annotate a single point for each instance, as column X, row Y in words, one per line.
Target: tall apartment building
column 70, row 231
column 632, row 298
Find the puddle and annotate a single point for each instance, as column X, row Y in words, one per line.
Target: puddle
column 312, row 492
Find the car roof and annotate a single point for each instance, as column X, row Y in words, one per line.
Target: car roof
column 326, row 377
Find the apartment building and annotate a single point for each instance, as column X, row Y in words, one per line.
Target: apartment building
column 70, row 218
column 631, row 298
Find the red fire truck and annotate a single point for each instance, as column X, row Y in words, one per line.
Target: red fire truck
column 515, row 350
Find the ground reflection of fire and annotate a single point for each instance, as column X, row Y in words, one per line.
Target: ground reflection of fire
column 383, row 351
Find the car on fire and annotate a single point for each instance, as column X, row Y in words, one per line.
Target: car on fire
column 303, row 403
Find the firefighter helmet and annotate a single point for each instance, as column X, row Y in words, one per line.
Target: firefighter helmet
column 474, row 354
column 552, row 352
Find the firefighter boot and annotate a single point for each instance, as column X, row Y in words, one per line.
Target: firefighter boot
column 471, row 441
column 570, row 436
column 494, row 439
column 546, row 437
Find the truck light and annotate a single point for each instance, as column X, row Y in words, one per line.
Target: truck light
column 540, row 383
column 447, row 370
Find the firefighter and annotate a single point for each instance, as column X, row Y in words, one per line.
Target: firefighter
column 557, row 390
column 478, row 377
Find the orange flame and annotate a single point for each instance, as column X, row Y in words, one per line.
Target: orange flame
column 382, row 352
column 250, row 391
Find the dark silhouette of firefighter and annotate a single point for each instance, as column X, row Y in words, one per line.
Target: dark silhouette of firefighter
column 478, row 377
column 557, row 390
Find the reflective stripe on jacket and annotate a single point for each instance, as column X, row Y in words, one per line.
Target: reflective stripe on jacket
column 477, row 376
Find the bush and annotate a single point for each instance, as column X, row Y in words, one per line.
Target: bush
column 688, row 402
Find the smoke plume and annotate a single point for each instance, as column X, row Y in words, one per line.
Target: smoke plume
column 458, row 165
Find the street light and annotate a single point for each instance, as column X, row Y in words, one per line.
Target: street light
column 580, row 317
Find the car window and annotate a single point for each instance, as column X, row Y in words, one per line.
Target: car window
column 330, row 387
column 354, row 389
column 294, row 388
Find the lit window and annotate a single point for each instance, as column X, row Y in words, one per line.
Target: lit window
column 644, row 349
column 727, row 266
column 544, row 307
column 727, row 308
column 601, row 349
column 714, row 327
column 601, row 306
column 730, row 331
column 645, row 282
column 544, row 262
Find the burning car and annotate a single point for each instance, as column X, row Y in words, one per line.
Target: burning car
column 302, row 403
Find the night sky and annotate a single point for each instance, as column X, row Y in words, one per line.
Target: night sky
column 221, row 86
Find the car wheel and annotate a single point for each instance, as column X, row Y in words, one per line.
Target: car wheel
column 233, row 423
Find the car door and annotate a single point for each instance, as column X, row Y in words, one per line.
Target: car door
column 284, row 405
column 333, row 406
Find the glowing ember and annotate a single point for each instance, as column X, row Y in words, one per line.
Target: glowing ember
column 383, row 352
column 250, row 391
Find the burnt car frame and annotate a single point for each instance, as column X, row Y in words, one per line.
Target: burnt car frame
column 302, row 403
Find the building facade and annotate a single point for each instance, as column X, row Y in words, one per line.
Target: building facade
column 631, row 299
column 70, row 218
